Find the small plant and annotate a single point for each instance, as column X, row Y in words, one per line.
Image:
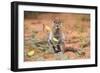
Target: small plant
column 40, row 44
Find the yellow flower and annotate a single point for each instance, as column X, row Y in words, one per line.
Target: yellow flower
column 48, row 28
column 54, row 39
column 31, row 53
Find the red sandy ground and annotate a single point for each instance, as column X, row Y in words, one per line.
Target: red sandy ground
column 70, row 29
